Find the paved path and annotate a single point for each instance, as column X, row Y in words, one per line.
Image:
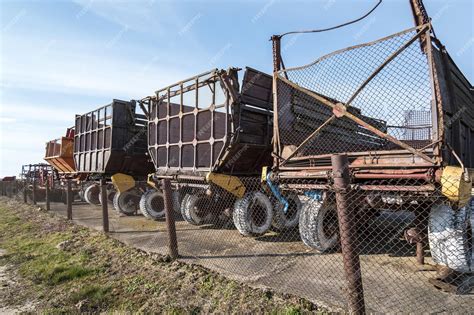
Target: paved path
column 392, row 283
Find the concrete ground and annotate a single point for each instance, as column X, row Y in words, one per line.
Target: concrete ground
column 392, row 282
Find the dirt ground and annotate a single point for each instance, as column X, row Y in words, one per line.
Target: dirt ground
column 281, row 263
column 49, row 265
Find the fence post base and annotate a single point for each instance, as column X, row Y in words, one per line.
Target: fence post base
column 348, row 234
column 47, row 196
column 69, row 200
column 25, row 192
column 34, row 192
column 105, row 208
column 170, row 222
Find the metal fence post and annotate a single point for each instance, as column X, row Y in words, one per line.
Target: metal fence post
column 348, row 234
column 25, row 192
column 170, row 222
column 69, row 200
column 105, row 209
column 420, row 228
column 47, row 196
column 14, row 188
column 34, row 192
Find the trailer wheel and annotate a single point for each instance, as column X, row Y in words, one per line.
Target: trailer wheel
column 91, row 195
column 110, row 196
column 290, row 219
column 126, row 202
column 195, row 209
column 450, row 236
column 152, row 205
column 318, row 225
column 81, row 194
column 176, row 202
column 253, row 214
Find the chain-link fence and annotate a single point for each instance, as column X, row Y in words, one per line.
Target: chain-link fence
column 342, row 247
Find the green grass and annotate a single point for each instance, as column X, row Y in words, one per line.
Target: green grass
column 94, row 294
column 96, row 274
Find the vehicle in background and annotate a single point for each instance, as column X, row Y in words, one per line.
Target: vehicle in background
column 59, row 154
column 212, row 138
column 110, row 144
column 39, row 175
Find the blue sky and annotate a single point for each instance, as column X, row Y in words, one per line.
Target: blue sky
column 61, row 58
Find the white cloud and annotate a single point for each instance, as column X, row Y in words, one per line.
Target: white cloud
column 82, row 71
column 143, row 16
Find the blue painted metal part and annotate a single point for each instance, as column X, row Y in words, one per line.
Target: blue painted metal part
column 276, row 192
column 314, row 194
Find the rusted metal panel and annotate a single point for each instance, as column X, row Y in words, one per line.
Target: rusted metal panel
column 458, row 107
column 112, row 139
column 206, row 123
column 257, row 89
column 59, row 153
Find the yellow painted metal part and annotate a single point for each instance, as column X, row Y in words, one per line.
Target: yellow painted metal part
column 455, row 186
column 263, row 179
column 123, row 182
column 150, row 181
column 230, row 183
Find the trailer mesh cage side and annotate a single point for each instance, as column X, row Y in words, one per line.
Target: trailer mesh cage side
column 112, row 139
column 367, row 98
column 206, row 123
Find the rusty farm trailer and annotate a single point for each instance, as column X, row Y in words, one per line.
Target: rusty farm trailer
column 35, row 177
column 212, row 138
column 59, row 154
column 110, row 144
column 403, row 113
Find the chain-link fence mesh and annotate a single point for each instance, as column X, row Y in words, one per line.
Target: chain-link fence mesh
column 298, row 250
column 351, row 100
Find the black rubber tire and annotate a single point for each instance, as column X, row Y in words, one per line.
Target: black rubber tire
column 318, row 225
column 81, row 195
column 195, row 208
column 110, row 197
column 176, row 202
column 152, row 205
column 126, row 202
column 450, row 236
column 249, row 219
column 286, row 221
column 91, row 195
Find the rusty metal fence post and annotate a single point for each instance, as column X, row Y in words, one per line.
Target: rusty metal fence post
column 69, row 200
column 47, row 196
column 33, row 193
column 25, row 192
column 348, row 234
column 170, row 222
column 105, row 208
